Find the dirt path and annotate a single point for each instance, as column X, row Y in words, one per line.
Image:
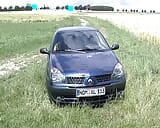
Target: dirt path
column 15, row 64
column 84, row 22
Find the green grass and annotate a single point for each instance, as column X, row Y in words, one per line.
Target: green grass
column 24, row 102
column 25, row 37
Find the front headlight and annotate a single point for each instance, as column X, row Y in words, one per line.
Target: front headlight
column 57, row 76
column 118, row 71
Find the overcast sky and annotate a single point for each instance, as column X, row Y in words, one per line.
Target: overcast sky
column 136, row 4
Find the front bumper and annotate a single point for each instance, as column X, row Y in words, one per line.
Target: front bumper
column 63, row 94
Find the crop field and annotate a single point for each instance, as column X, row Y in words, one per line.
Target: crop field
column 144, row 26
column 23, row 98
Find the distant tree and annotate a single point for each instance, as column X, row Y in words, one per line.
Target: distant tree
column 0, row 8
column 150, row 11
column 131, row 10
column 62, row 7
column 80, row 7
column 154, row 11
column 84, row 7
column 145, row 11
column 122, row 10
column 17, row 8
column 126, row 10
column 136, row 10
column 47, row 7
column 66, row 7
column 10, row 8
column 5, row 9
column 142, row 11
column 28, row 7
column 57, row 8
column 22, row 8
column 117, row 10
column 76, row 8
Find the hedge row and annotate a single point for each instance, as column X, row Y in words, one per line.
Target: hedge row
column 101, row 8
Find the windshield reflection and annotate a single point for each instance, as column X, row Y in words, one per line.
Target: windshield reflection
column 79, row 40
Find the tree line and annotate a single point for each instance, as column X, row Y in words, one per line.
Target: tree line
column 28, row 7
column 135, row 10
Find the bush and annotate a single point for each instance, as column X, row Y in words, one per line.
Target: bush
column 66, row 7
column 5, row 9
column 101, row 8
column 80, row 7
column 62, row 7
column 44, row 8
column 10, row 8
column 17, row 8
column 28, row 7
column 57, row 8
column 76, row 8
column 47, row 7
column 85, row 7
column 22, row 8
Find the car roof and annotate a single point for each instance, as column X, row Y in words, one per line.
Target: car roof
column 76, row 28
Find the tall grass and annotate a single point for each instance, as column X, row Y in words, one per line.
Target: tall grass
column 148, row 38
column 24, row 102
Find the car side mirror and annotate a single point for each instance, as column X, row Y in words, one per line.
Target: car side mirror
column 115, row 46
column 44, row 51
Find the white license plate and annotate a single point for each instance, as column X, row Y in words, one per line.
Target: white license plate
column 88, row 92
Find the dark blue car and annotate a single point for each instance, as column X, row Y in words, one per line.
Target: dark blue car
column 82, row 67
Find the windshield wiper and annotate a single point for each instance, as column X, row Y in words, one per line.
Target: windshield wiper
column 88, row 49
column 72, row 50
column 80, row 50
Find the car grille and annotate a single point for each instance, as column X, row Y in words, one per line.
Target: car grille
column 80, row 80
column 103, row 78
column 75, row 80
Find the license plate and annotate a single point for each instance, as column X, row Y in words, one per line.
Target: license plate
column 88, row 92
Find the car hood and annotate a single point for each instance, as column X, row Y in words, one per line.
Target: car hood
column 93, row 63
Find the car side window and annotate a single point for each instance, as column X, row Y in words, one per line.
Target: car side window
column 58, row 43
column 56, row 47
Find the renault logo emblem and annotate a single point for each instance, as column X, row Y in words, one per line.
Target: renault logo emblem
column 90, row 82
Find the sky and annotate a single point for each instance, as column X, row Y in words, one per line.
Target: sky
column 128, row 4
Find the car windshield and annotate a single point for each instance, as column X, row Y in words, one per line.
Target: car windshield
column 79, row 41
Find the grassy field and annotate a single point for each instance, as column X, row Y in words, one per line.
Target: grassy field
column 24, row 102
column 28, row 33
